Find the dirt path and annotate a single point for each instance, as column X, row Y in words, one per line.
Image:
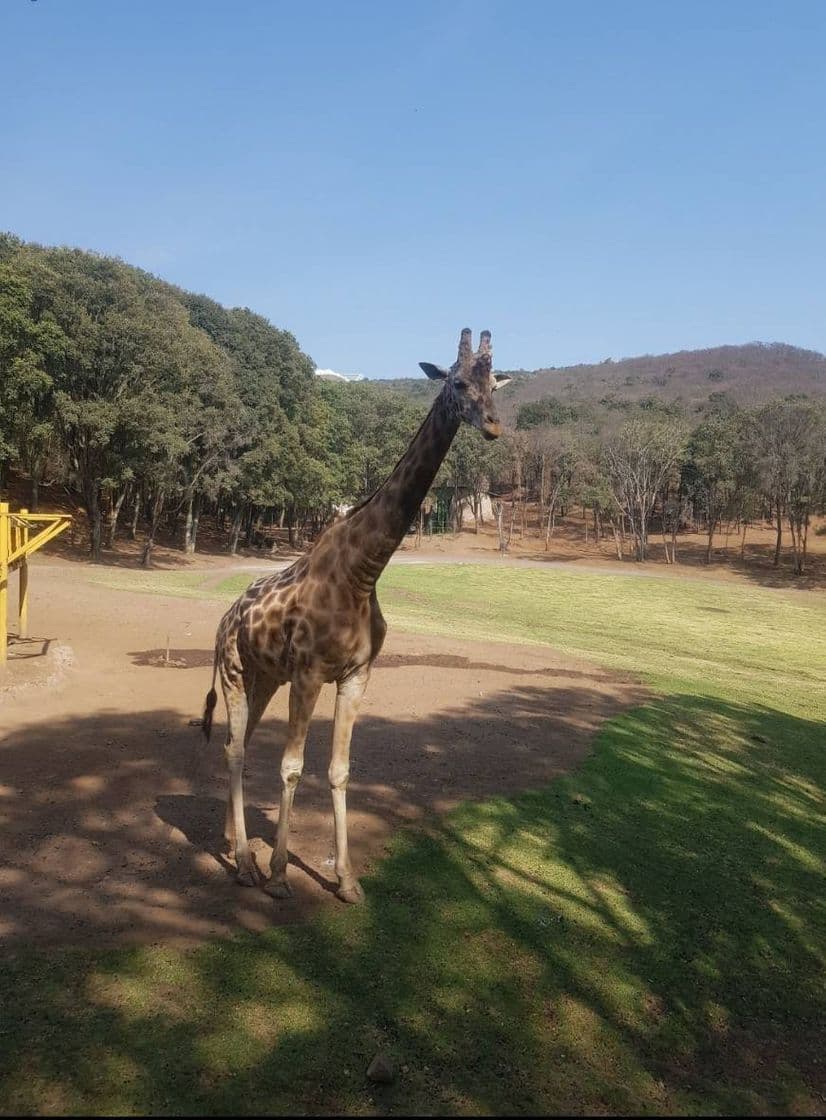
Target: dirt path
column 111, row 811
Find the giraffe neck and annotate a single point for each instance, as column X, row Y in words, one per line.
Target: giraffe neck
column 378, row 527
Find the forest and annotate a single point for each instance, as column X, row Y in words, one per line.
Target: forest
column 150, row 404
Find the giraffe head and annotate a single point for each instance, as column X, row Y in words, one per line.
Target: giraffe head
column 470, row 384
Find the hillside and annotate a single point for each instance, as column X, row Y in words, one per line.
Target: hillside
column 688, row 379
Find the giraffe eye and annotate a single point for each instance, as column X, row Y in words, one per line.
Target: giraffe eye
column 460, row 384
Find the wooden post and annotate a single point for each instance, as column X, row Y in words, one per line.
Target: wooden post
column 4, row 581
column 23, row 588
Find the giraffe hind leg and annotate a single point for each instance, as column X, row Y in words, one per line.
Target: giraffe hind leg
column 245, row 706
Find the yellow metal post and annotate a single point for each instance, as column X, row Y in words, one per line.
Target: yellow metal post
column 4, row 580
column 16, row 546
column 23, row 589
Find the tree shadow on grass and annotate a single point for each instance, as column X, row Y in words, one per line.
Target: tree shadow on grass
column 645, row 935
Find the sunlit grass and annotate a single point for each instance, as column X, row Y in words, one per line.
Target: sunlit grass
column 646, row 935
column 716, row 638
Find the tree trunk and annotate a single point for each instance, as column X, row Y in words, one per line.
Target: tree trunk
column 795, row 545
column 551, row 522
column 157, row 509
column 710, row 544
column 777, row 546
column 93, row 513
column 500, row 516
column 617, row 539
column 196, row 518
column 112, row 527
column 188, row 546
column 235, row 532
column 136, row 509
column 34, row 497
column 541, row 491
column 743, row 542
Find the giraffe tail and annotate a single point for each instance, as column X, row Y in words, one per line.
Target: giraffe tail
column 211, row 701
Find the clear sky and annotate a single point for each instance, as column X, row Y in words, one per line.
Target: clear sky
column 585, row 179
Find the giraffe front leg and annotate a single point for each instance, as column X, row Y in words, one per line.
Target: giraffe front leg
column 237, row 712
column 348, row 701
column 303, row 696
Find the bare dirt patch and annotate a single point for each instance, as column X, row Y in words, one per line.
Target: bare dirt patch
column 33, row 662
column 111, row 809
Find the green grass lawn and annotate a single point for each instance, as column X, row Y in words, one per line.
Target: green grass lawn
column 645, row 935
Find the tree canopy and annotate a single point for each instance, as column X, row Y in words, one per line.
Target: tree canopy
column 151, row 404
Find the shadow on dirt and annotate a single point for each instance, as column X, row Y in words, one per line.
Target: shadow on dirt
column 203, row 658
column 113, row 823
column 24, row 649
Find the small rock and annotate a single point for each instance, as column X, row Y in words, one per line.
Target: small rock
column 195, row 722
column 382, row 1070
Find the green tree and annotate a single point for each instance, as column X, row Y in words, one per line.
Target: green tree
column 714, row 472
column 790, row 436
column 637, row 461
column 31, row 343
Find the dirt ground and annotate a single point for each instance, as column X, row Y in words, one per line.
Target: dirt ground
column 111, row 809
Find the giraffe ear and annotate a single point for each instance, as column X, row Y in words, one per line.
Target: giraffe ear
column 500, row 380
column 435, row 373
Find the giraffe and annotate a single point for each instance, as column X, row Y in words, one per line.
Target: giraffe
column 319, row 622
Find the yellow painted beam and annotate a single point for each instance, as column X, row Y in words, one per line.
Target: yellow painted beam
column 59, row 524
column 23, row 586
column 16, row 546
column 4, row 581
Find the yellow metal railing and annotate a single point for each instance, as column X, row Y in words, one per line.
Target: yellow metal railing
column 21, row 534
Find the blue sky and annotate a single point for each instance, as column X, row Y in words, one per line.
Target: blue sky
column 585, row 179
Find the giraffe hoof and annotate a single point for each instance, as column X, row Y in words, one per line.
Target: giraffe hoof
column 353, row 893
column 278, row 888
column 247, row 876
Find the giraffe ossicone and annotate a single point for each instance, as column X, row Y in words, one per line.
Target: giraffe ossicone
column 319, row 622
